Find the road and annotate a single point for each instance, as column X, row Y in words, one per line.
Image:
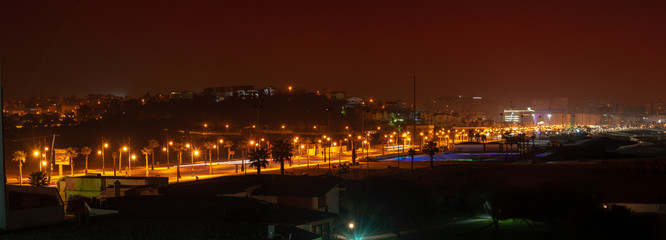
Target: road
column 201, row 169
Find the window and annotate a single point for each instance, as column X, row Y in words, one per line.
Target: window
column 316, row 229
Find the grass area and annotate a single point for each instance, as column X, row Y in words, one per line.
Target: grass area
column 514, row 229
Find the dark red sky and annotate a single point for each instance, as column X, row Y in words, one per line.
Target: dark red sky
column 507, row 50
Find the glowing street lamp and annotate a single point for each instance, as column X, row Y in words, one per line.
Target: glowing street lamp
column 120, row 158
column 105, row 145
column 129, row 171
column 42, row 165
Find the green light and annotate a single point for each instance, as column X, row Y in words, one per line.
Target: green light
column 459, row 160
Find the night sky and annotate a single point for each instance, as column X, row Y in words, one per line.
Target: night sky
column 504, row 50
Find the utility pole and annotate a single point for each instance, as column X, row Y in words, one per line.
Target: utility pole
column 258, row 107
column 3, row 192
column 168, row 145
column 414, row 110
column 103, row 147
column 51, row 162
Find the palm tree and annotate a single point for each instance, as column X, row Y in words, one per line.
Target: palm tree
column 258, row 159
column 244, row 146
column 147, row 151
column 86, row 151
column 282, row 150
column 228, row 144
column 179, row 148
column 411, row 153
column 431, row 149
column 71, row 153
column 152, row 144
column 38, row 179
column 209, row 146
column 115, row 156
column 19, row 156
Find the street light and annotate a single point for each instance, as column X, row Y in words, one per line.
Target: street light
column 120, row 159
column 129, row 171
column 351, row 229
column 106, row 145
column 167, row 154
column 194, row 153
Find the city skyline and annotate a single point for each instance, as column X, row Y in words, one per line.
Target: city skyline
column 501, row 51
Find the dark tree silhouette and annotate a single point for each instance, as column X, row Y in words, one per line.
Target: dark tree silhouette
column 431, row 149
column 258, row 159
column 282, row 150
column 38, row 179
column 411, row 153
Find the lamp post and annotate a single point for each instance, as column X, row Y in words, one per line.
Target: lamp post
column 194, row 153
column 166, row 149
column 106, row 145
column 167, row 153
column 258, row 107
column 113, row 154
column 295, row 146
column 99, row 152
column 129, row 170
column 43, row 163
column 218, row 149
column 36, row 154
column 191, row 157
column 329, row 156
column 120, row 159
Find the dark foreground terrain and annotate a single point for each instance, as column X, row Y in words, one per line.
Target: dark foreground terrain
column 455, row 200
